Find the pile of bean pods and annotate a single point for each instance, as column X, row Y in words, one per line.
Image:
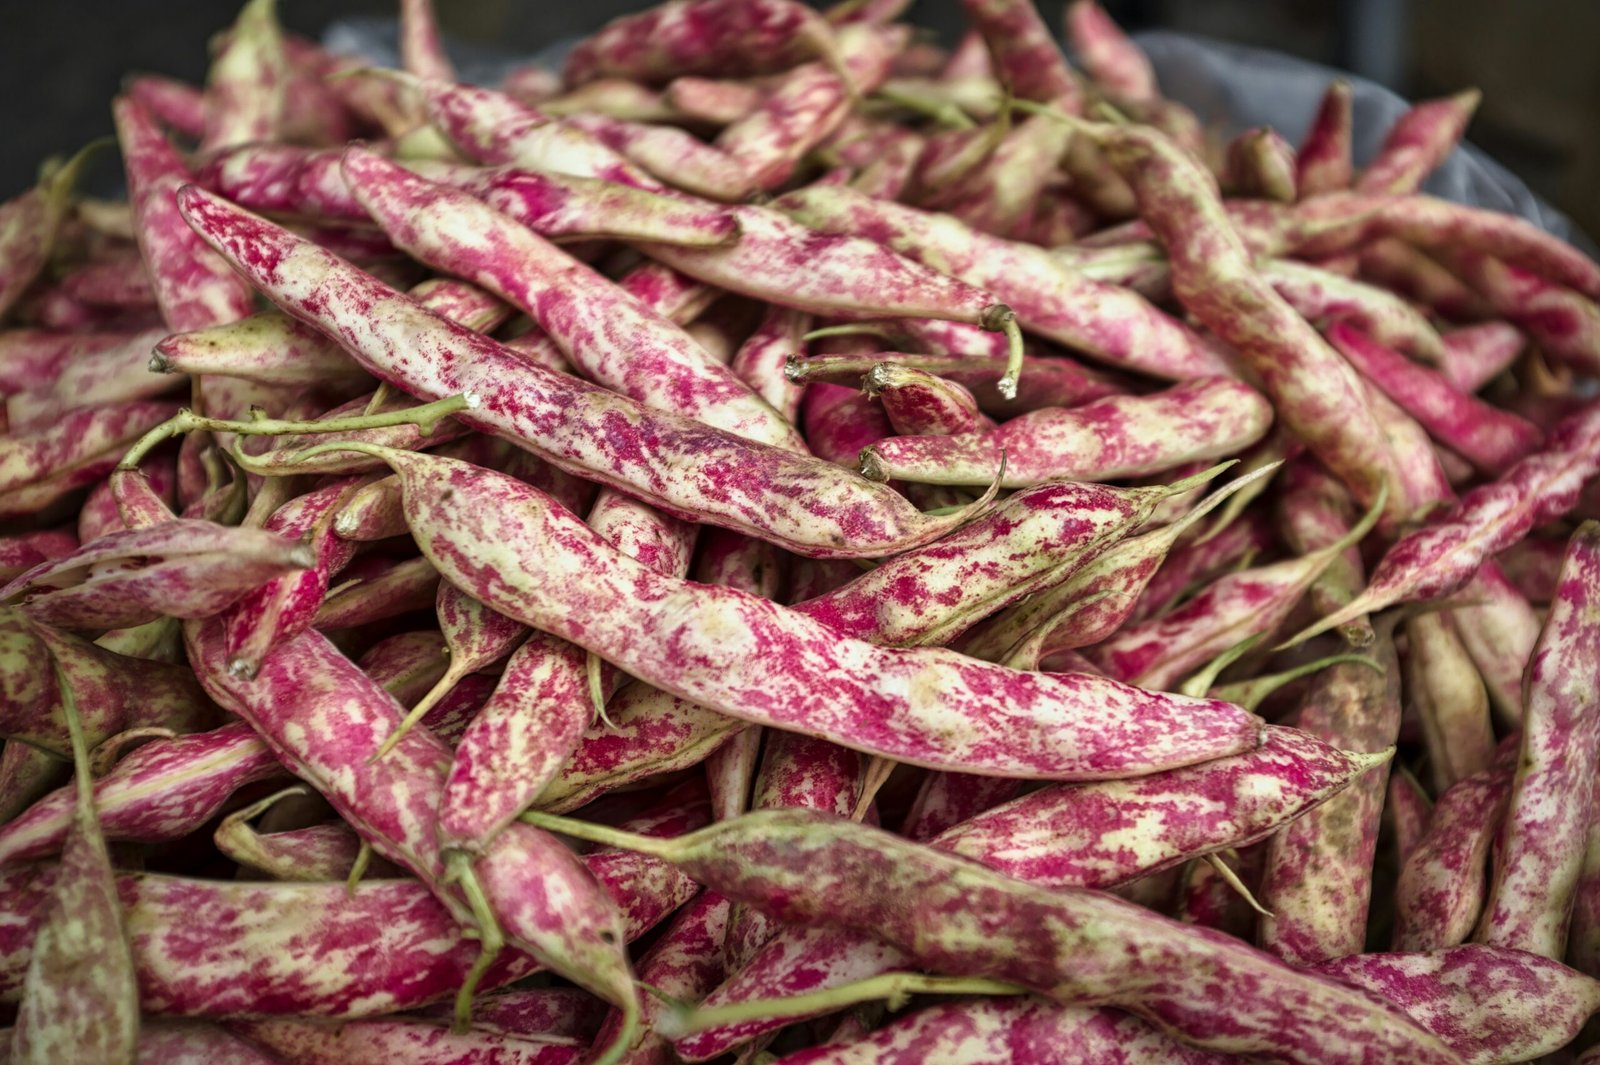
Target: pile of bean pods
column 784, row 542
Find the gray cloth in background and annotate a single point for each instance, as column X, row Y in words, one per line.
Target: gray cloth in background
column 1230, row 85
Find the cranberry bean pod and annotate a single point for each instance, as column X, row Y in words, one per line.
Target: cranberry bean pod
column 673, row 157
column 1564, row 323
column 1322, row 163
column 286, row 605
column 507, row 557
column 1338, row 221
column 920, row 403
column 1120, row 436
column 495, row 129
column 1448, row 698
column 1260, row 164
column 1439, row 559
column 763, row 359
column 28, row 228
column 1541, row 843
column 1417, row 143
column 378, row 1041
column 548, row 905
column 1441, row 889
column 1252, row 602
column 1049, row 297
column 79, row 996
column 421, row 51
column 1097, row 599
column 162, row 791
column 1316, row 394
column 194, row 285
column 1082, row 946
column 1488, row 437
column 1320, row 295
column 1489, row 1004
column 190, row 569
column 1017, row 1029
column 727, row 38
column 23, row 551
column 245, row 86
column 562, row 419
column 399, row 589
column 1113, row 61
column 611, row 338
column 78, row 438
column 328, row 851
column 1499, row 629
column 1024, row 52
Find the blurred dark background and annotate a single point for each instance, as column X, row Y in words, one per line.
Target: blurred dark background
column 62, row 60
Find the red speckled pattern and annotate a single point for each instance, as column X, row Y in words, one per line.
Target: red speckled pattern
column 1488, row 1003
column 1025, row 54
column 1103, row 834
column 750, row 658
column 1323, row 296
column 118, row 374
column 615, row 340
column 1447, row 698
column 1091, row 835
column 1095, row 601
column 671, row 155
column 1490, row 438
column 1315, row 393
column 493, row 128
column 325, row 719
column 920, row 403
column 1024, row 1030
column 686, row 963
column 1439, row 559
column 411, row 1041
column 162, row 791
column 1113, row 324
column 1249, row 602
column 953, row 916
column 724, row 38
column 810, row 103
column 1119, row 436
column 196, row 1043
column 23, row 551
column 1417, row 143
column 1475, row 354
column 269, row 347
column 1323, row 161
column 76, row 438
column 778, row 260
column 1036, row 538
column 193, row 285
column 284, row 606
column 215, row 948
column 317, row 852
column 1106, row 54
column 398, row 589
column 556, row 205
column 1437, row 225
column 1317, row 878
column 1541, row 842
column 1441, row 888
column 761, row 359
column 183, row 568
column 245, row 86
column 794, row 501
column 1564, row 323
